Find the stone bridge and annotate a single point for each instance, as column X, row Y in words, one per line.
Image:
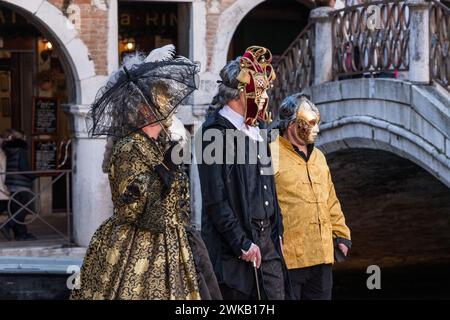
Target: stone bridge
column 384, row 97
column 411, row 121
column 398, row 210
column 383, row 87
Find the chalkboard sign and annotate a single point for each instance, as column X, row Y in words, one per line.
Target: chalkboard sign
column 45, row 155
column 45, row 115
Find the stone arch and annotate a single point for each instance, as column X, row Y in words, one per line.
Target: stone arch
column 369, row 133
column 90, row 187
column 74, row 53
column 228, row 21
column 392, row 115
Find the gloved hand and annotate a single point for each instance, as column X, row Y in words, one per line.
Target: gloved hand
column 166, row 170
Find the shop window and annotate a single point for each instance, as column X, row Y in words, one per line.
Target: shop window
column 144, row 26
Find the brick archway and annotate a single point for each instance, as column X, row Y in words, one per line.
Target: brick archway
column 91, row 202
column 74, row 53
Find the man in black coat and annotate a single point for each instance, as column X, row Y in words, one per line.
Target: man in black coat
column 20, row 185
column 241, row 219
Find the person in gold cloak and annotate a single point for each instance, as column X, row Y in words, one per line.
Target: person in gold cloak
column 315, row 231
column 143, row 250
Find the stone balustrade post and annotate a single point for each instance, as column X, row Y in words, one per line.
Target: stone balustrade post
column 323, row 44
column 419, row 41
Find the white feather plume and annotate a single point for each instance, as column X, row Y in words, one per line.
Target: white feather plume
column 133, row 59
column 177, row 131
column 161, row 54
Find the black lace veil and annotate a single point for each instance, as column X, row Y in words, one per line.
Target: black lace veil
column 140, row 95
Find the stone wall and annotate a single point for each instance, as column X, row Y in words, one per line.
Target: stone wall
column 22, row 286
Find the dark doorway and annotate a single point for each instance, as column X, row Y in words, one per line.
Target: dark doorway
column 399, row 215
column 144, row 26
column 19, row 71
column 35, row 83
column 273, row 24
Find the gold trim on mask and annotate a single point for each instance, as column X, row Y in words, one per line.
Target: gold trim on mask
column 306, row 120
column 256, row 65
column 160, row 94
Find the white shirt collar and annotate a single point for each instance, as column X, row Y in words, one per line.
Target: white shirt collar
column 238, row 121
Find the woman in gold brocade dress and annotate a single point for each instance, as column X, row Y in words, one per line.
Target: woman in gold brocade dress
column 142, row 251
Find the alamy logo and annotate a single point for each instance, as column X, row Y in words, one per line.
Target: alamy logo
column 374, row 280
column 372, row 17
column 73, row 281
column 231, row 147
column 73, row 13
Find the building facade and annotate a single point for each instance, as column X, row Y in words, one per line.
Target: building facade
column 64, row 50
column 384, row 99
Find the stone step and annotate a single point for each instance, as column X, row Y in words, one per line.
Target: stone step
column 38, row 277
column 38, row 265
column 41, row 249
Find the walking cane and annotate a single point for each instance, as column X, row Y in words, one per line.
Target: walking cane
column 256, row 278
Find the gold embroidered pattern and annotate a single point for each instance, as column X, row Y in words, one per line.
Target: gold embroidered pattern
column 142, row 251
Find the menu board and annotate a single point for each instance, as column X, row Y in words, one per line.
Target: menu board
column 45, row 115
column 45, row 155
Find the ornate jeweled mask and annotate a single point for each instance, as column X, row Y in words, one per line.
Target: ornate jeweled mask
column 255, row 79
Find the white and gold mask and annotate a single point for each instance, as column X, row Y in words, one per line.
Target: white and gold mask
column 307, row 122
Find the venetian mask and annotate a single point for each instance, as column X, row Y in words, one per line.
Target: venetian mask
column 160, row 96
column 255, row 79
column 307, row 125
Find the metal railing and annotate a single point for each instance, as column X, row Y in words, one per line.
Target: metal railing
column 440, row 43
column 295, row 67
column 359, row 47
column 28, row 201
column 363, row 49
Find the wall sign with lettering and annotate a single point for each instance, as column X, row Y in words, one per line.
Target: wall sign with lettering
column 45, row 115
column 45, row 155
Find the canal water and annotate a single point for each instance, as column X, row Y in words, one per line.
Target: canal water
column 412, row 282
column 403, row 282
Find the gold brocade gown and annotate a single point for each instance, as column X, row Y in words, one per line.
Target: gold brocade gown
column 142, row 251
